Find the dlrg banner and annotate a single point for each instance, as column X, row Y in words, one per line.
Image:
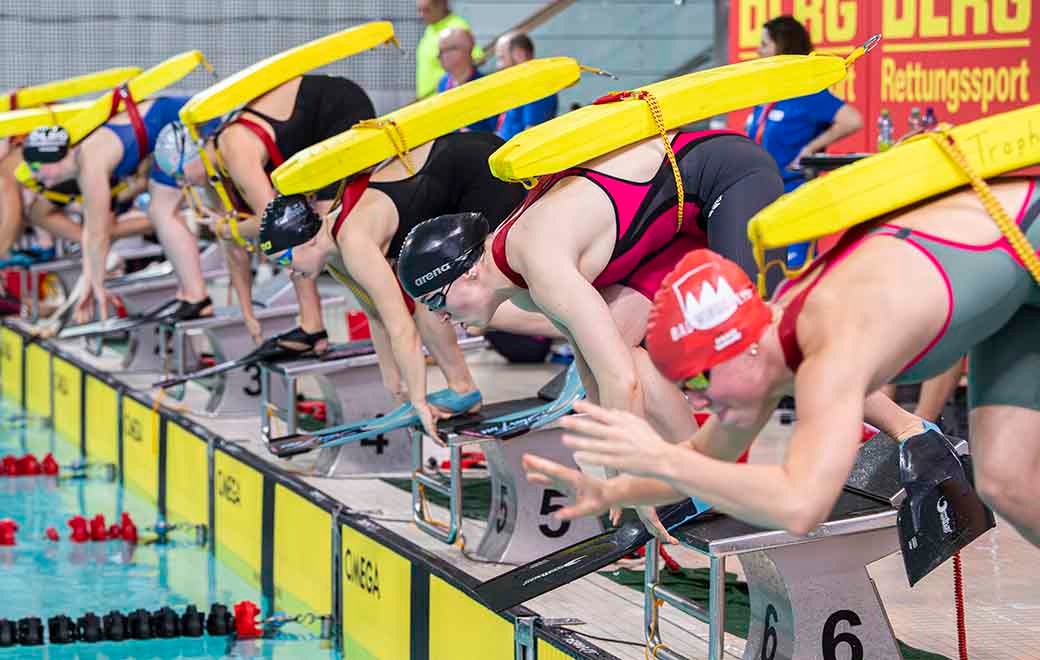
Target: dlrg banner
column 963, row 58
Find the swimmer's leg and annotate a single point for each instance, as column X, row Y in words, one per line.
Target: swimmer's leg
column 1004, row 397
column 1005, row 443
column 178, row 242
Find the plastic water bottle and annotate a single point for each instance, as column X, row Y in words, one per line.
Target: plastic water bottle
column 914, row 124
column 885, row 130
column 929, row 122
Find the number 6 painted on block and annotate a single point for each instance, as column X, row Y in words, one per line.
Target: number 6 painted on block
column 769, row 635
column 831, row 641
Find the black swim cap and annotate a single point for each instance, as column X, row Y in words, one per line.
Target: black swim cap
column 437, row 252
column 288, row 221
column 46, row 144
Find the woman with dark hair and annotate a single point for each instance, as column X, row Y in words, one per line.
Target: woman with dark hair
column 798, row 127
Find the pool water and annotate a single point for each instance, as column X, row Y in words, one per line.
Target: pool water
column 42, row 578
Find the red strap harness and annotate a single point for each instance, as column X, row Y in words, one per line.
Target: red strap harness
column 122, row 95
column 351, row 196
column 273, row 152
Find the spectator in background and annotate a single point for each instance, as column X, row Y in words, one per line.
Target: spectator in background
column 514, row 48
column 794, row 128
column 437, row 16
column 456, row 55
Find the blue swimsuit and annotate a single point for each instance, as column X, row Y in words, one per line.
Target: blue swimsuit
column 163, row 110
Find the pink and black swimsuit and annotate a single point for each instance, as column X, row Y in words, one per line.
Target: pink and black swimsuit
column 727, row 179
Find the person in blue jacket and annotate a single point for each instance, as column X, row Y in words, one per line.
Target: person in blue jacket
column 514, row 48
column 794, row 128
column 456, row 56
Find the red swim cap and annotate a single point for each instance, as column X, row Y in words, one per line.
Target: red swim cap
column 707, row 311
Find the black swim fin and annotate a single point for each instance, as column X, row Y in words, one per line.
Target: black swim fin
column 567, row 565
column 269, row 350
column 941, row 512
column 110, row 326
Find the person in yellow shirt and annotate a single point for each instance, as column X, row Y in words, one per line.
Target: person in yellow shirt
column 438, row 17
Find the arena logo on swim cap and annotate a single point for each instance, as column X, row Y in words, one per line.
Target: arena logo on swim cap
column 423, row 279
column 707, row 308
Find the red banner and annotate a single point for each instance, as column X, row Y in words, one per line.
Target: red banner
column 963, row 58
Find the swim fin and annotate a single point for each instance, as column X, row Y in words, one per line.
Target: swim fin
column 401, row 417
column 941, row 512
column 567, row 565
column 113, row 325
column 520, row 422
column 268, row 351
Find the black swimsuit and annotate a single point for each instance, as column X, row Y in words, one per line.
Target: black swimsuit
column 325, row 106
column 455, row 179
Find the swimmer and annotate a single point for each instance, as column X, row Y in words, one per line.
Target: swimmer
column 358, row 245
column 899, row 299
column 285, row 120
column 109, row 154
column 588, row 248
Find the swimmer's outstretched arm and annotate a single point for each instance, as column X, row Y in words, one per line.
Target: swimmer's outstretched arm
column 890, row 417
column 565, row 295
column 97, row 217
column 243, row 156
column 370, row 269
column 388, row 368
column 796, row 495
column 510, row 318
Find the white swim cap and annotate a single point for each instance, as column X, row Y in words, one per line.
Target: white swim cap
column 174, row 149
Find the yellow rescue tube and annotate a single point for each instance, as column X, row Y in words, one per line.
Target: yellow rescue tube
column 371, row 143
column 142, row 86
column 30, row 97
column 595, row 130
column 260, row 78
column 20, row 122
column 146, row 84
column 907, row 173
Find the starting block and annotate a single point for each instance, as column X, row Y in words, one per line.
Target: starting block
column 811, row 596
column 352, row 388
column 145, row 290
column 67, row 270
column 519, row 527
column 234, row 391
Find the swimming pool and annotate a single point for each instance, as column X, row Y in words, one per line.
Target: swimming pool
column 42, row 578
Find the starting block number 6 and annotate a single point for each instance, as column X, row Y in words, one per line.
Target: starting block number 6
column 830, row 639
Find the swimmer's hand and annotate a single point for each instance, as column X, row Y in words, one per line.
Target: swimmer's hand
column 648, row 515
column 590, row 495
column 84, row 310
column 616, row 439
column 429, row 415
column 253, row 328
